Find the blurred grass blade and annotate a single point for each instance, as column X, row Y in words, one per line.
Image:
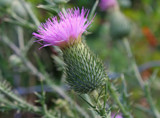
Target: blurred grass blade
column 30, row 12
column 49, row 8
column 24, row 24
column 93, row 9
column 61, row 1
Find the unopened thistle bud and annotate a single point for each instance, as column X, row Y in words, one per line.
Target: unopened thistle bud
column 107, row 4
column 119, row 25
column 84, row 70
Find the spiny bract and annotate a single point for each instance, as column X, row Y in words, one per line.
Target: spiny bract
column 85, row 72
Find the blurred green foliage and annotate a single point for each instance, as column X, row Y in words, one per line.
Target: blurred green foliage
column 17, row 23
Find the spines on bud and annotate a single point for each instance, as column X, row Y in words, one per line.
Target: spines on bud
column 84, row 70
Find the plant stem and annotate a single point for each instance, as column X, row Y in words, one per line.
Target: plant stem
column 44, row 107
column 134, row 65
column 21, row 101
column 30, row 12
column 105, row 98
column 144, row 86
column 115, row 96
column 93, row 9
column 20, row 37
column 143, row 109
column 41, row 76
column 23, row 24
column 87, row 97
column 150, row 101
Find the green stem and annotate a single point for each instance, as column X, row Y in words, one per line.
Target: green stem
column 42, row 76
column 143, row 109
column 144, row 86
column 20, row 101
column 44, row 107
column 93, row 9
column 134, row 65
column 105, row 98
column 87, row 97
column 63, row 94
column 150, row 101
column 116, row 98
column 23, row 24
column 20, row 37
column 30, row 12
column 100, row 111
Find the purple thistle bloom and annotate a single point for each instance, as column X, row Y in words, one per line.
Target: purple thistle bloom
column 69, row 28
column 105, row 4
column 116, row 115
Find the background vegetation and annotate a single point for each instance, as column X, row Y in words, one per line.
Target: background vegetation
column 23, row 66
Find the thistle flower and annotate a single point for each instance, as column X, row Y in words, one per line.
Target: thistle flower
column 116, row 115
column 71, row 25
column 84, row 70
column 105, row 4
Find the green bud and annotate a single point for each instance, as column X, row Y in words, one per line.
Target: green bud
column 119, row 25
column 85, row 72
column 18, row 9
column 15, row 60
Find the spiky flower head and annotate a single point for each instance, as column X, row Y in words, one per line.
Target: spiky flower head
column 69, row 28
column 105, row 4
column 84, row 70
